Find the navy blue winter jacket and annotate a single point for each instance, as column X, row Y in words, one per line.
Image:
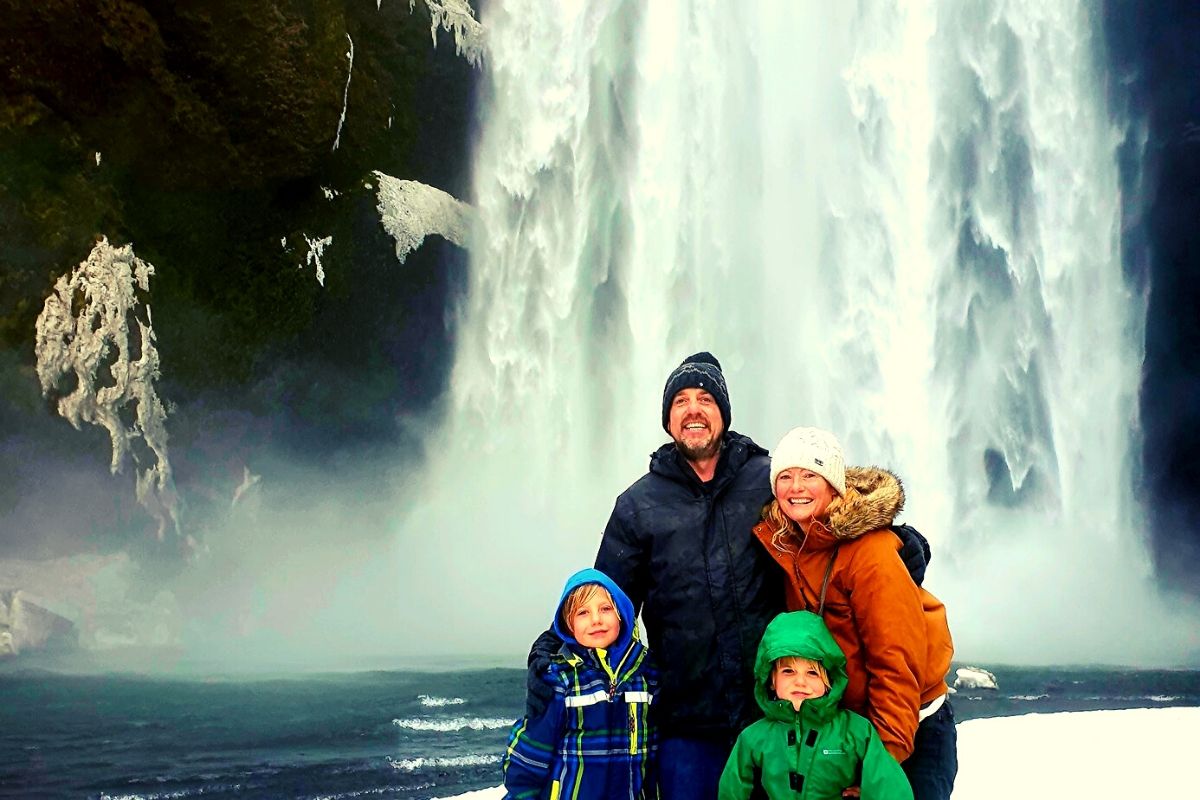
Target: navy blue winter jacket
column 684, row 553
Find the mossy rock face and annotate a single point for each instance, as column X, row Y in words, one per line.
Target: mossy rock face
column 204, row 134
column 209, row 96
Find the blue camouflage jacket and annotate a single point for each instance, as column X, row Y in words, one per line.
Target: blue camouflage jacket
column 595, row 740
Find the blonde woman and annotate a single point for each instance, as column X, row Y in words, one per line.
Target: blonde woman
column 828, row 527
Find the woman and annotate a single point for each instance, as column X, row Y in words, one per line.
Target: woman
column 827, row 526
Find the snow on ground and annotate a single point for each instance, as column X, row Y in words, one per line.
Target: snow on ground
column 1140, row 752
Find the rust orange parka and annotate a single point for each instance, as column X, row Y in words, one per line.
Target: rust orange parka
column 893, row 632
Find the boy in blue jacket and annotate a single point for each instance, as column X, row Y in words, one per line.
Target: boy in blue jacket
column 594, row 741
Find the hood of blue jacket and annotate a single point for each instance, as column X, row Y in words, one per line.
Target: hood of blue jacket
column 622, row 602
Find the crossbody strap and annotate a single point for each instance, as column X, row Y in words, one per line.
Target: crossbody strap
column 825, row 580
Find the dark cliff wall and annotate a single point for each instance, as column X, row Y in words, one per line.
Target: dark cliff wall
column 1154, row 63
column 215, row 124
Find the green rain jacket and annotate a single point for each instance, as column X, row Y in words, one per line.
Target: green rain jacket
column 816, row 752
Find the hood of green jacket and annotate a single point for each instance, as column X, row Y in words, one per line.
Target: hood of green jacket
column 804, row 635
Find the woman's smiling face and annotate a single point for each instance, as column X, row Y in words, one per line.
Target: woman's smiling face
column 803, row 495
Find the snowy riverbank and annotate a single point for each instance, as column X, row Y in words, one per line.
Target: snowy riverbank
column 1140, row 752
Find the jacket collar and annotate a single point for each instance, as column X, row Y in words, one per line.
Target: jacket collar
column 620, row 664
column 736, row 450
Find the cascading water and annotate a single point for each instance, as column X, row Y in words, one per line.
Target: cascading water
column 896, row 220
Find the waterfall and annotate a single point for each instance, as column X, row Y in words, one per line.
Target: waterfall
column 896, row 220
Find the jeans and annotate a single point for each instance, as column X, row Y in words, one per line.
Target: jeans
column 690, row 769
column 934, row 762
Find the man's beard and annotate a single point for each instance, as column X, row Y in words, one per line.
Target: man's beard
column 701, row 452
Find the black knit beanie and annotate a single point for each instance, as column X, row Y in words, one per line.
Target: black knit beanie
column 699, row 371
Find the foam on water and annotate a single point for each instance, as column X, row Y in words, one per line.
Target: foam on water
column 375, row 791
column 473, row 760
column 175, row 795
column 456, row 724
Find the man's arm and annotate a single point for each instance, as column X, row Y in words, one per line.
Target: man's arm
column 914, row 551
column 538, row 693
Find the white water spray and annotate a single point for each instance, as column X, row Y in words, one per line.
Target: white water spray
column 899, row 221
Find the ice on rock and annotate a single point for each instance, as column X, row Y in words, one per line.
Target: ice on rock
column 26, row 625
column 410, row 211
column 337, row 139
column 316, row 249
column 458, row 16
column 85, row 343
column 974, row 678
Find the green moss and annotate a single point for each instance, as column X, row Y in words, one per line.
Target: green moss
column 215, row 123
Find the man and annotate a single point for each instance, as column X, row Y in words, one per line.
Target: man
column 679, row 544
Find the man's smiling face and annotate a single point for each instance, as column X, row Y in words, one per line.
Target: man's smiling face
column 695, row 424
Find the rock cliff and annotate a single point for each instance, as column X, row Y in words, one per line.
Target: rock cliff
column 203, row 134
column 25, row 626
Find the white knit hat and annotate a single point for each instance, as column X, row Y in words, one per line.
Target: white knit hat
column 812, row 449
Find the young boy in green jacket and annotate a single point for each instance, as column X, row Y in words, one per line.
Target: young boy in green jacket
column 807, row 748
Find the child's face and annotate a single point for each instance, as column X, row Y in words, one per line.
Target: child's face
column 595, row 623
column 797, row 680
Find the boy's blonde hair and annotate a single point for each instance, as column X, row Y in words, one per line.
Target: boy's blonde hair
column 581, row 595
column 798, row 661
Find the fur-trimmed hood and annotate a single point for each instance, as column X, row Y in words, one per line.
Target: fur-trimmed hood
column 873, row 499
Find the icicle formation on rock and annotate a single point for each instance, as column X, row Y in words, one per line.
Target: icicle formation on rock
column 410, row 211
column 345, row 93
column 458, row 16
column 316, row 249
column 84, row 338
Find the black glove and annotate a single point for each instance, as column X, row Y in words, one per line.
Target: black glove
column 538, row 693
column 914, row 552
